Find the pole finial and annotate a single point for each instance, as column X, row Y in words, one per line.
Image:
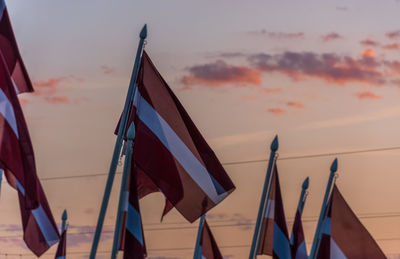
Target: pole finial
column 131, row 132
column 306, row 183
column 334, row 165
column 143, row 32
column 64, row 215
column 275, row 144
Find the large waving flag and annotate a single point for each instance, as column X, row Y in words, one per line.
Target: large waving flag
column 17, row 161
column 170, row 150
column 274, row 239
column 343, row 235
column 62, row 246
column 133, row 239
column 9, row 49
column 208, row 246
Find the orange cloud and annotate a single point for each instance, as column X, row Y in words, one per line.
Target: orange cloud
column 369, row 43
column 394, row 46
column 47, row 87
column 57, row 99
column 368, row 53
column 277, row 111
column 367, row 95
column 270, row 90
column 220, row 73
column 331, row 36
column 295, row 104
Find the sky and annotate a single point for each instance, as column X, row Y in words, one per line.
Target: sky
column 322, row 75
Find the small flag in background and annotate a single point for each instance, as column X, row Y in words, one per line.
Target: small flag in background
column 62, row 246
column 274, row 239
column 9, row 49
column 208, row 246
column 18, row 162
column 343, row 235
column 170, row 150
column 298, row 243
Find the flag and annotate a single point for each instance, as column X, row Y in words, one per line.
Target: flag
column 17, row 161
column 133, row 238
column 274, row 239
column 170, row 150
column 343, row 235
column 9, row 49
column 298, row 243
column 208, row 246
column 62, row 246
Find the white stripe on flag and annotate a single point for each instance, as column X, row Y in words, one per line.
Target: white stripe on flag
column 178, row 149
column 336, row 252
column 15, row 86
column 43, row 221
column 270, row 209
column 7, row 111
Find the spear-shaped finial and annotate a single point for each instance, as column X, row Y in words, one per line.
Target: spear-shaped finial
column 306, row 183
column 275, row 144
column 64, row 218
column 334, row 165
column 143, row 32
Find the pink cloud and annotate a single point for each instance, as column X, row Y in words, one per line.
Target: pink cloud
column 48, row 86
column 279, row 35
column 295, row 104
column 107, row 70
column 23, row 101
column 369, row 43
column 270, row 90
column 220, row 73
column 393, row 34
column 57, row 99
column 367, row 95
column 277, row 111
column 393, row 46
column 331, row 36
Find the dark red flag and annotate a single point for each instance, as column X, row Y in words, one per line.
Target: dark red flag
column 17, row 161
column 170, row 150
column 343, row 235
column 209, row 248
column 298, row 244
column 274, row 239
column 62, row 246
column 9, row 49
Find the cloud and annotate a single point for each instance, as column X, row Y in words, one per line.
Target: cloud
column 367, row 95
column 369, row 43
column 278, row 35
column 393, row 46
column 393, row 67
column 23, row 101
column 331, row 36
column 220, row 73
column 328, row 67
column 342, row 8
column 47, row 86
column 295, row 104
column 107, row 70
column 368, row 53
column 393, row 35
column 270, row 90
column 277, row 111
column 57, row 99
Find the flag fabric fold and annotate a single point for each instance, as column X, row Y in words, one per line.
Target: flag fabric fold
column 274, row 240
column 298, row 243
column 170, row 150
column 208, row 246
column 12, row 56
column 17, row 161
column 343, row 235
column 62, row 246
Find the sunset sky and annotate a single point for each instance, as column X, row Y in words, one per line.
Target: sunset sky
column 323, row 75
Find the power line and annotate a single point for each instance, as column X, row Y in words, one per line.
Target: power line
column 247, row 161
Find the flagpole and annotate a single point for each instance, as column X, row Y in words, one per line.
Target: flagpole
column 255, row 243
column 64, row 218
column 123, row 198
column 302, row 201
column 197, row 249
column 317, row 236
column 118, row 144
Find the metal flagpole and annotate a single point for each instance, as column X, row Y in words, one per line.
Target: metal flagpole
column 118, row 144
column 123, row 197
column 255, row 243
column 317, row 236
column 197, row 249
column 64, row 218
column 302, row 201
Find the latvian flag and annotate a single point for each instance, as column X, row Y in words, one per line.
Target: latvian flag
column 343, row 235
column 62, row 246
column 9, row 49
column 17, row 161
column 170, row 150
column 133, row 238
column 208, row 246
column 274, row 239
column 297, row 242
